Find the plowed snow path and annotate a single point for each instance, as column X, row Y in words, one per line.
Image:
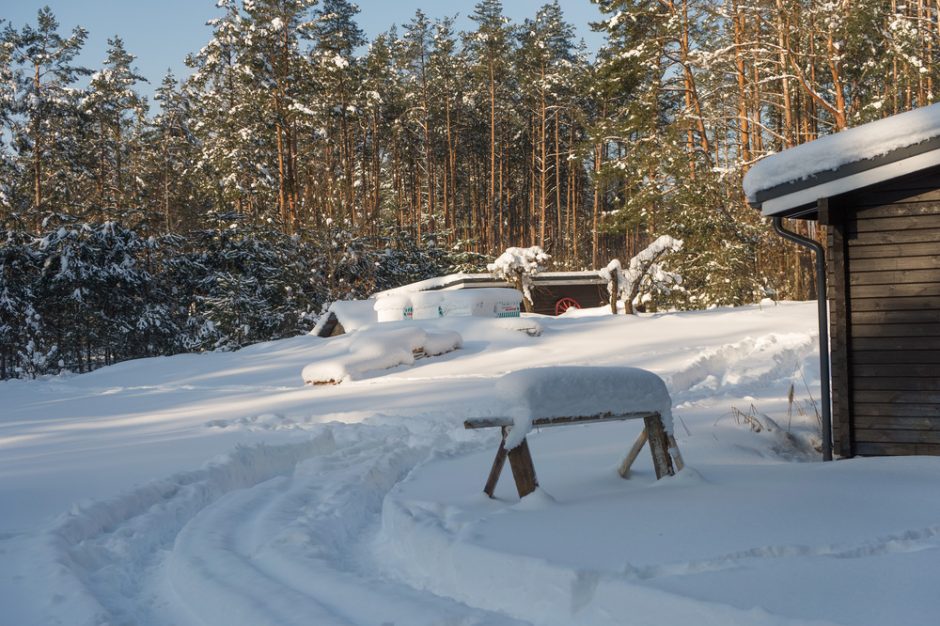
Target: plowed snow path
column 274, row 535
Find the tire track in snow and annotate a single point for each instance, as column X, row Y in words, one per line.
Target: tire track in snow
column 264, row 535
column 285, row 551
column 103, row 551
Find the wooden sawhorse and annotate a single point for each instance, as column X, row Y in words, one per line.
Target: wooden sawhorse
column 665, row 452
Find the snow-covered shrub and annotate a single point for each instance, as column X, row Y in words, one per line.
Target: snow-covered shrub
column 83, row 294
column 407, row 260
column 248, row 283
column 518, row 266
column 644, row 277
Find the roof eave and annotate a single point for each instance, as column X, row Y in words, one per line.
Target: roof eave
column 797, row 196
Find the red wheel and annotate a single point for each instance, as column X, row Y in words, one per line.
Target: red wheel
column 564, row 304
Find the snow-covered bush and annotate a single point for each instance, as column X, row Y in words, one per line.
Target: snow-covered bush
column 644, row 277
column 83, row 294
column 518, row 266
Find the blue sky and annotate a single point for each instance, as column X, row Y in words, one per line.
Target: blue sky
column 162, row 32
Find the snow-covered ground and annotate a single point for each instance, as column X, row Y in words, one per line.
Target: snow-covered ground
column 219, row 489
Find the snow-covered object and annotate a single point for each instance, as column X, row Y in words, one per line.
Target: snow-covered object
column 483, row 302
column 831, row 152
column 427, row 305
column 381, row 349
column 423, row 305
column 352, row 314
column 578, row 391
column 430, row 284
column 393, row 308
column 643, row 266
column 518, row 266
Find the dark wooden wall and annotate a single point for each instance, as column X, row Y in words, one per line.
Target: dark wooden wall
column 544, row 297
column 884, row 274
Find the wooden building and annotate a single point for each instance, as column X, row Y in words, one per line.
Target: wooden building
column 876, row 189
column 552, row 293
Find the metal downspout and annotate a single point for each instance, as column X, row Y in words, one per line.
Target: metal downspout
column 823, row 330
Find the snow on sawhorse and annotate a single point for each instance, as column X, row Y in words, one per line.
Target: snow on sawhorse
column 559, row 396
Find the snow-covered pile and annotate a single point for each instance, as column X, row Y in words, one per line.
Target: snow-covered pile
column 849, row 146
column 352, row 314
column 380, row 349
column 578, row 392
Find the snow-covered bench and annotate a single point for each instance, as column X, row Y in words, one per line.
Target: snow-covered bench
column 560, row 396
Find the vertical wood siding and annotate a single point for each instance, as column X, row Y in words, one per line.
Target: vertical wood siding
column 886, row 304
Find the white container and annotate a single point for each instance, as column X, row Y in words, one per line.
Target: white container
column 428, row 304
column 394, row 308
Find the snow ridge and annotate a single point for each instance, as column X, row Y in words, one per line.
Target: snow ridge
column 744, row 366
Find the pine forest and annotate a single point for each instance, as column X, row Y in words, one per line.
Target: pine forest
column 300, row 163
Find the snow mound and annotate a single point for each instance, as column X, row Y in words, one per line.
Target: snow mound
column 352, row 314
column 380, row 349
column 575, row 391
column 746, row 366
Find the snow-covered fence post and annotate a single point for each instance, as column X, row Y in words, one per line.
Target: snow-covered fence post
column 643, row 271
column 518, row 266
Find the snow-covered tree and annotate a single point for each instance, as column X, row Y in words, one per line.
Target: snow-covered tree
column 46, row 132
column 643, row 277
column 518, row 266
column 113, row 106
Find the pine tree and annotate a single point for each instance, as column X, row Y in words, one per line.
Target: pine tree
column 226, row 124
column 546, row 52
column 169, row 168
column 489, row 47
column 46, row 106
column 336, row 72
column 113, row 106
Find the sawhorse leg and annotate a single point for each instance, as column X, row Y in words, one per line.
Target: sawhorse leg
column 520, row 462
column 663, row 448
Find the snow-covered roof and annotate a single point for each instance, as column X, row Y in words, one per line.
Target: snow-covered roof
column 858, row 157
column 464, row 280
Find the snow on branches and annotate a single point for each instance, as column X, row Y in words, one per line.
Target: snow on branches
column 644, row 276
column 518, row 266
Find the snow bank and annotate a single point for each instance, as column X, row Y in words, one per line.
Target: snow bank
column 540, row 591
column 833, row 151
column 783, row 543
column 380, row 349
column 576, row 391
